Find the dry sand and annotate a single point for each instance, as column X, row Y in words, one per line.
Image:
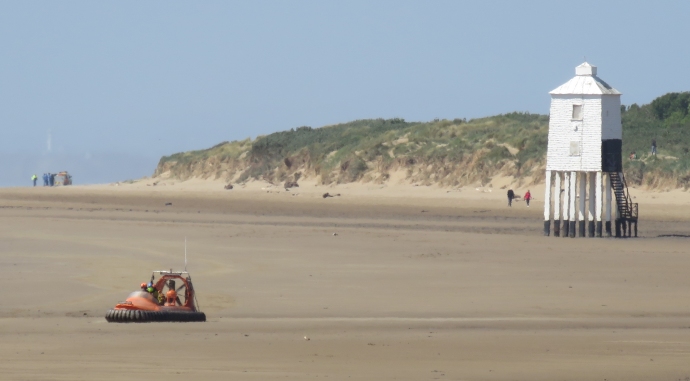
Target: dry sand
column 419, row 283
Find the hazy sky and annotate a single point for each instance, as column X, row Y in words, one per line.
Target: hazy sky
column 150, row 78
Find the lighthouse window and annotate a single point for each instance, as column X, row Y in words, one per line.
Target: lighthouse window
column 575, row 148
column 577, row 112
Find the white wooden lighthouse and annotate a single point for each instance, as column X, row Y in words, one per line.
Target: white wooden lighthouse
column 584, row 159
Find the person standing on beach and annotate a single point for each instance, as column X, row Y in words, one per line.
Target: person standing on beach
column 511, row 196
column 653, row 147
column 34, row 178
column 528, row 196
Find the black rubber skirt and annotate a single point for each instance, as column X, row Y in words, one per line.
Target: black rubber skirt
column 136, row 316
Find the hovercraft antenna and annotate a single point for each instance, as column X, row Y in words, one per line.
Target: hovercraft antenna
column 185, row 254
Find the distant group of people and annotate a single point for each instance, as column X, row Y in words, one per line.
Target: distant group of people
column 633, row 154
column 511, row 196
column 48, row 179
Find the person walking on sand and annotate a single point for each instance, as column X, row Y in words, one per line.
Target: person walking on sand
column 528, row 196
column 511, row 196
column 653, row 147
column 34, row 178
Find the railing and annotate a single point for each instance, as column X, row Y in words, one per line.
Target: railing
column 626, row 208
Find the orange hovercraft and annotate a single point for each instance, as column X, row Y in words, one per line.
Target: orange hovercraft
column 172, row 305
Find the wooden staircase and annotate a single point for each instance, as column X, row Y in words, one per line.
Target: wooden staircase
column 626, row 217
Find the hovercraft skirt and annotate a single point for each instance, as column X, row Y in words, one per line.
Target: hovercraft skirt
column 139, row 316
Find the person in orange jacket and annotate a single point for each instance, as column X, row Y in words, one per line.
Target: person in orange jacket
column 171, row 298
column 528, row 196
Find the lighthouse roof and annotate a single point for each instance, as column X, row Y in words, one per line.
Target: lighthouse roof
column 585, row 82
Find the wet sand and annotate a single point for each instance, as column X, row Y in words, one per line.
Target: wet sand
column 408, row 288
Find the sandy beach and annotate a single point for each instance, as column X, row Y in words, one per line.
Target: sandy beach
column 385, row 282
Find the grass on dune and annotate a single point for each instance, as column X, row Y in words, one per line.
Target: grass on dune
column 470, row 150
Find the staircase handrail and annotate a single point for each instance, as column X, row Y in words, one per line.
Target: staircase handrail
column 628, row 198
column 630, row 207
column 619, row 187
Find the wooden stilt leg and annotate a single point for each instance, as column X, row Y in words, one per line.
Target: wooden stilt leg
column 572, row 207
column 557, row 205
column 581, row 215
column 598, row 202
column 566, row 204
column 547, row 205
column 592, row 197
column 608, row 205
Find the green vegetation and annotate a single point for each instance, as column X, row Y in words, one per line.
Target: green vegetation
column 222, row 151
column 666, row 119
column 444, row 152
